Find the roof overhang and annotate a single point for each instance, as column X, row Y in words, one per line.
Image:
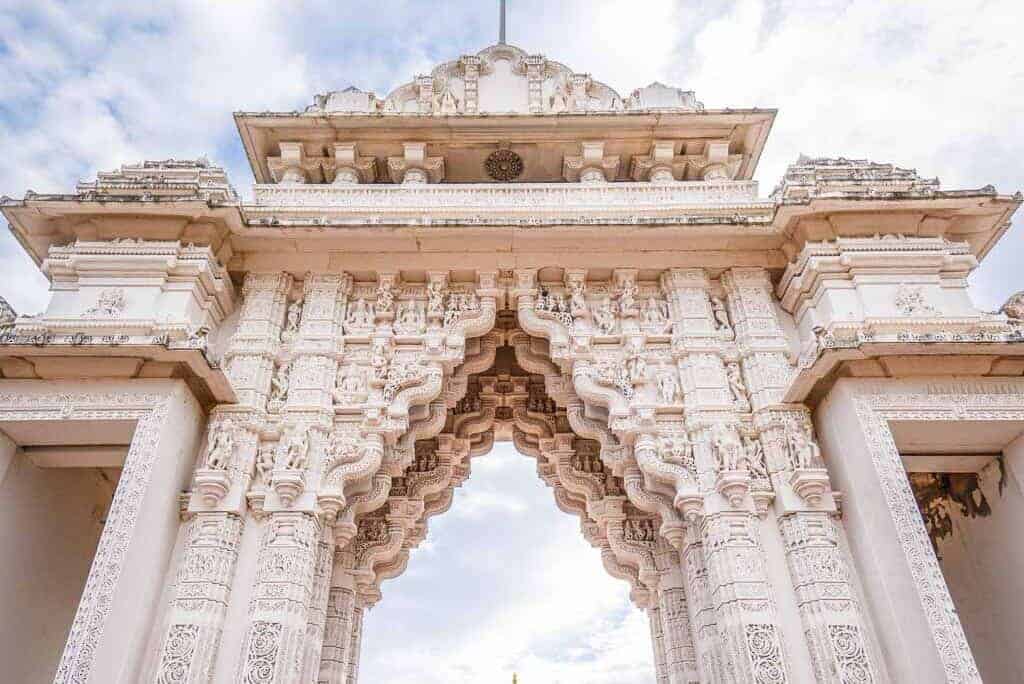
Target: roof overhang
column 40, row 221
column 542, row 140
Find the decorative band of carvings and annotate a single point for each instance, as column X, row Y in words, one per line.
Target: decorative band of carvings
column 874, row 411
column 150, row 410
column 514, row 198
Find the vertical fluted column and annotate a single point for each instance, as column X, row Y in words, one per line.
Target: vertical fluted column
column 249, row 358
column 337, row 635
column 658, row 644
column 747, row 618
column 829, row 610
column 680, row 656
column 355, row 643
column 701, row 611
column 278, row 613
column 762, row 345
column 196, row 615
column 318, row 607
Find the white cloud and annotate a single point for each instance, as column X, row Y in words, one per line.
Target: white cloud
column 515, row 591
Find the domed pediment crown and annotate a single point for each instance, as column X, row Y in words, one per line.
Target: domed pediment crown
column 503, row 79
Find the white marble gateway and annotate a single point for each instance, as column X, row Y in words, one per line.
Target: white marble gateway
column 781, row 420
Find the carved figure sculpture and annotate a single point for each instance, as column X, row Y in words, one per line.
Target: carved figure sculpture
column 636, row 366
column 627, row 298
column 385, row 298
column 755, row 456
column 653, row 313
column 1013, row 308
column 279, row 384
column 435, row 298
column 668, row 386
column 296, row 448
column 379, row 361
column 222, row 445
column 291, row 326
column 729, row 453
column 265, row 462
column 111, row 303
column 736, row 384
column 678, row 450
column 803, row 452
column 577, row 299
column 604, row 316
column 718, row 310
column 360, row 315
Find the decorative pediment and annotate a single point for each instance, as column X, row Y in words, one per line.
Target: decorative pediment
column 503, row 79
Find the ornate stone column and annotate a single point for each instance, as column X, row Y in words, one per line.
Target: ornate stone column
column 279, row 611
column 747, row 618
column 833, row 622
column 658, row 644
column 680, row 656
column 249, row 359
column 319, row 605
column 701, row 610
column 197, row 611
column 341, row 605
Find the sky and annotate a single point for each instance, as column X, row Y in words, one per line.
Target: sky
column 505, row 581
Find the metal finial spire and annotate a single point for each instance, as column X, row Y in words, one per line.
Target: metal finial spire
column 501, row 32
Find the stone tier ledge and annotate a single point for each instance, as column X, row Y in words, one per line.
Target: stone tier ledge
column 516, row 198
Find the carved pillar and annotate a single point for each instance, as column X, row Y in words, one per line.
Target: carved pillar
column 658, row 644
column 703, row 620
column 680, row 657
column 250, row 355
column 317, row 620
column 197, row 611
column 279, row 610
column 338, row 630
column 831, row 617
column 355, row 643
column 737, row 578
column 761, row 342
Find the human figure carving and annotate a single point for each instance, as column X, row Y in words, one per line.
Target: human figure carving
column 265, row 461
column 291, row 326
column 721, row 315
column 221, row 447
column 360, row 315
column 385, row 298
column 627, row 298
column 296, row 447
column 653, row 314
column 279, row 385
column 803, row 452
column 729, row 453
column 668, row 386
column 379, row 361
column 678, row 450
column 755, row 456
column 736, row 384
column 435, row 298
column 577, row 299
column 604, row 316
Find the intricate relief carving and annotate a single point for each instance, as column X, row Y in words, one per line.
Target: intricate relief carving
column 910, row 301
column 179, row 650
column 765, row 654
column 260, row 665
column 111, row 303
